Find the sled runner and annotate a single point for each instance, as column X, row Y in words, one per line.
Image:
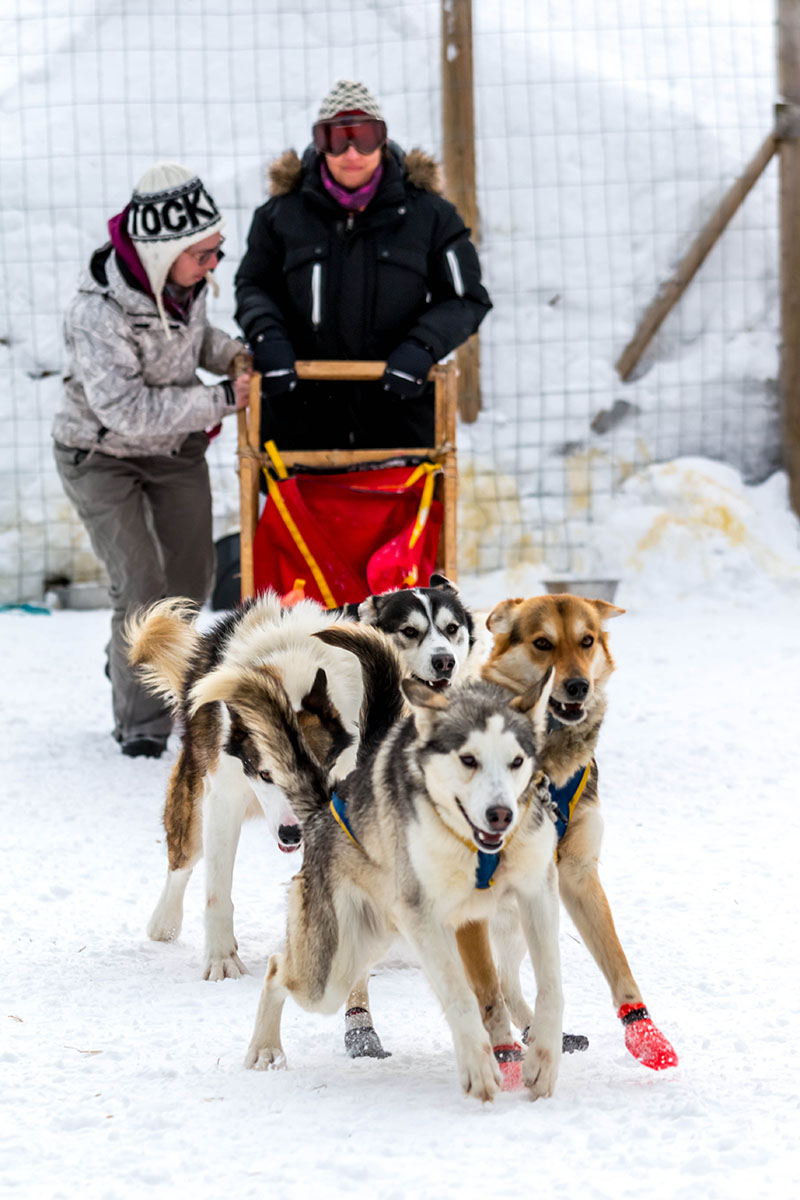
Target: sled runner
column 348, row 522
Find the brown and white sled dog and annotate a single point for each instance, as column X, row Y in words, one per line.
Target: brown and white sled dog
column 565, row 634
column 446, row 799
column 223, row 772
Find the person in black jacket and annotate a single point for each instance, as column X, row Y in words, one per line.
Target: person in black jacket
column 356, row 255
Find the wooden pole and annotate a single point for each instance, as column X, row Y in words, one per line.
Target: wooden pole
column 789, row 130
column 458, row 141
column 694, row 258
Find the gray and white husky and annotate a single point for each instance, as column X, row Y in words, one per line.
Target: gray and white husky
column 441, row 803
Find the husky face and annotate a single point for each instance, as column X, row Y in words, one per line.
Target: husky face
column 564, row 632
column 430, row 628
column 477, row 761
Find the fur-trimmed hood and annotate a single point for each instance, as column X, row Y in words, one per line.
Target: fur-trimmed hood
column 419, row 169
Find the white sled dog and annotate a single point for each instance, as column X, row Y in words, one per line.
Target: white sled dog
column 442, row 803
column 223, row 772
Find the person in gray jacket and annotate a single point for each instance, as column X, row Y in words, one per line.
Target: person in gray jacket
column 130, row 437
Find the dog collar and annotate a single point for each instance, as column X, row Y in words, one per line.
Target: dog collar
column 565, row 798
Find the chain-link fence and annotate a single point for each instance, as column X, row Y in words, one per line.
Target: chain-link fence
column 605, row 135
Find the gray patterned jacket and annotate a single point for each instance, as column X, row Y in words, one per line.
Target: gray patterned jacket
column 128, row 390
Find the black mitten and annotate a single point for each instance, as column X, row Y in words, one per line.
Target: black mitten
column 407, row 369
column 275, row 362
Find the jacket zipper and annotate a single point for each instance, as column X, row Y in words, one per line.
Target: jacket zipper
column 316, row 294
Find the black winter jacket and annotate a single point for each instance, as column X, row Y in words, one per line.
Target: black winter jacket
column 316, row 282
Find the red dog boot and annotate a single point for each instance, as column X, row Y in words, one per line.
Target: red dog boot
column 509, row 1060
column 645, row 1042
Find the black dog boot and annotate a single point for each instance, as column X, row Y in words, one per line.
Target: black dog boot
column 570, row 1042
column 360, row 1039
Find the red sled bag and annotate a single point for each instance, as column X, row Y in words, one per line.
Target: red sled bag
column 347, row 534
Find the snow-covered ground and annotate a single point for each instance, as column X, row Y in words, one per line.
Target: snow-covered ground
column 122, row 1071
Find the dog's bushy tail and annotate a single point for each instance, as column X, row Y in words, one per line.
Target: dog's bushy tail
column 382, row 671
column 162, row 641
column 264, row 726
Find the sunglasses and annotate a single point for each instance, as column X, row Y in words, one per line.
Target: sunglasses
column 204, row 257
column 334, row 138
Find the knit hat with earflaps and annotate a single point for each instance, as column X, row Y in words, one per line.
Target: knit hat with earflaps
column 348, row 96
column 170, row 211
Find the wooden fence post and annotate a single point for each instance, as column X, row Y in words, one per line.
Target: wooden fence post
column 458, row 141
column 789, row 133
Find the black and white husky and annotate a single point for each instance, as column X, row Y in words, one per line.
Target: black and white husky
column 223, row 772
column 442, row 803
column 430, row 627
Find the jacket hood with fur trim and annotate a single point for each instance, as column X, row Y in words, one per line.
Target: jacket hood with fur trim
column 419, row 168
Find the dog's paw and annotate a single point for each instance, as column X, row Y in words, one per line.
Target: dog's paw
column 540, row 1067
column 164, row 927
column 479, row 1072
column 265, row 1058
column 227, row 966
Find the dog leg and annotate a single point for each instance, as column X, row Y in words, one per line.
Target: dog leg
column 184, row 847
column 510, row 948
column 360, row 1038
column 223, row 815
column 165, row 923
column 265, row 1051
column 476, row 954
column 587, row 905
column 539, row 917
column 478, row 1071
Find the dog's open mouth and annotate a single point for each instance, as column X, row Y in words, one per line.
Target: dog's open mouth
column 568, row 714
column 487, row 841
column 435, row 685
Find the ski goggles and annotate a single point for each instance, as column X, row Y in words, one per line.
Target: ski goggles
column 333, row 137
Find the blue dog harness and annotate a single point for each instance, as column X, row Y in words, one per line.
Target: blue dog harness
column 339, row 809
column 485, row 867
column 564, row 798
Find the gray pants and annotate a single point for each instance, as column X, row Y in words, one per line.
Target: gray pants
column 149, row 521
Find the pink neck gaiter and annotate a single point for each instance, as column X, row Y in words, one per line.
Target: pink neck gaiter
column 353, row 201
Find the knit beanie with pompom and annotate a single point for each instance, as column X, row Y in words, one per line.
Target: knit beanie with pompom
column 170, row 210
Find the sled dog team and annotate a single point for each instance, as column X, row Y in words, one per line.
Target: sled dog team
column 447, row 800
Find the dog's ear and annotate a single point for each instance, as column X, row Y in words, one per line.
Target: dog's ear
column 368, row 611
column 443, row 584
column 317, row 699
column 606, row 611
column 501, row 618
column 535, row 700
column 425, row 704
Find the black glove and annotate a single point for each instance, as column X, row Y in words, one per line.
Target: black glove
column 407, row 369
column 275, row 362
